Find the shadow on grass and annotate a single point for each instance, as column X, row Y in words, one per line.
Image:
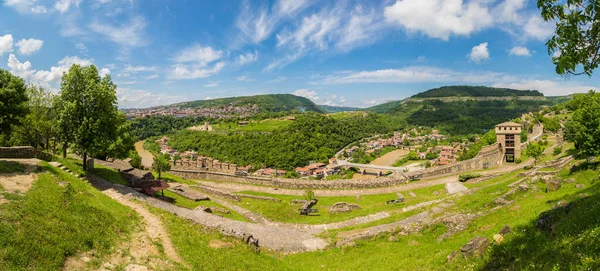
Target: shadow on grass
column 109, row 175
column 11, row 167
column 563, row 238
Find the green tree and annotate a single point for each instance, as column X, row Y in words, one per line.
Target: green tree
column 534, row 150
column 88, row 114
column 161, row 163
column 576, row 38
column 13, row 102
column 136, row 159
column 39, row 125
column 584, row 128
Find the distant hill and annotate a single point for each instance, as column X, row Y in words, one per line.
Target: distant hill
column 267, row 102
column 335, row 109
column 384, row 107
column 455, row 115
column 474, row 91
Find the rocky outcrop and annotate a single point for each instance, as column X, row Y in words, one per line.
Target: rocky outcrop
column 552, row 185
column 476, row 247
column 343, row 207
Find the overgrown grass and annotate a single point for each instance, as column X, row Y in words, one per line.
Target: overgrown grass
column 253, row 126
column 190, row 204
column 40, row 230
column 11, row 167
column 108, row 174
column 285, row 212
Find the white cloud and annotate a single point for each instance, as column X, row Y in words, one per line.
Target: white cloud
column 211, row 85
column 538, row 29
column 130, row 34
column 63, row 6
column 199, row 54
column 479, row 53
column 135, row 69
column 507, row 11
column 415, row 74
column 244, row 78
column 82, row 48
column 130, row 98
column 153, row 76
column 104, row 71
column 278, row 79
column 519, row 51
column 39, row 9
column 46, row 78
column 334, row 100
column 181, row 71
column 6, row 44
column 310, row 94
column 247, row 58
column 439, row 18
column 29, row 46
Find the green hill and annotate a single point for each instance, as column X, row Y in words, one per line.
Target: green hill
column 474, row 91
column 384, row 107
column 266, row 103
column 335, row 109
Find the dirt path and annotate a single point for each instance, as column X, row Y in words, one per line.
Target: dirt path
column 147, row 157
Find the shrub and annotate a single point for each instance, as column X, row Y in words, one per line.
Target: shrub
column 136, row 159
column 557, row 150
column 518, row 160
column 467, row 176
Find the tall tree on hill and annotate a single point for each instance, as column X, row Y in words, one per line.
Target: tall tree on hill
column 88, row 114
column 584, row 128
column 38, row 129
column 13, row 102
column 576, row 42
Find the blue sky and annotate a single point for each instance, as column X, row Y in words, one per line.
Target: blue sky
column 346, row 53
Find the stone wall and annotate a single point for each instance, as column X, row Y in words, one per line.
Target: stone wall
column 290, row 183
column 23, row 152
column 489, row 156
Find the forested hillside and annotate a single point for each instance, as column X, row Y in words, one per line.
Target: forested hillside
column 474, row 91
column 266, row 103
column 384, row 107
column 312, row 137
column 464, row 117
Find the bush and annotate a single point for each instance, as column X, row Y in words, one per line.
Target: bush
column 557, row 150
column 136, row 159
column 309, row 195
column 518, row 161
column 467, row 176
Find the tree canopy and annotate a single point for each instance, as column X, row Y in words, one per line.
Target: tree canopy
column 13, row 102
column 88, row 114
column 576, row 41
column 584, row 128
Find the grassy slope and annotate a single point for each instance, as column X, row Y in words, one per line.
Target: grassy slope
column 254, row 126
column 10, row 167
column 384, row 107
column 39, row 230
column 370, row 204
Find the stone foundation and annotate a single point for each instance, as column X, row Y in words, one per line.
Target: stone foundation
column 23, row 153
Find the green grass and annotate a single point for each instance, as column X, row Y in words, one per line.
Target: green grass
column 191, row 204
column 345, row 115
column 75, row 165
column 253, row 126
column 11, row 167
column 285, row 212
column 40, row 230
column 109, row 174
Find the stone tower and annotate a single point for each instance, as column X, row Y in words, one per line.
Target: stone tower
column 508, row 134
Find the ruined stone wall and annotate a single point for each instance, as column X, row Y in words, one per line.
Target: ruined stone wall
column 290, row 183
column 488, row 156
column 24, row 152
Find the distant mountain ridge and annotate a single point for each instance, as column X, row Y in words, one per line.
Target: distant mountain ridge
column 336, row 109
column 474, row 91
column 266, row 103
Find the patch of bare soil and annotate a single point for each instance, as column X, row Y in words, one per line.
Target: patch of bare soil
column 219, row 244
column 389, row 158
column 144, row 251
column 20, row 182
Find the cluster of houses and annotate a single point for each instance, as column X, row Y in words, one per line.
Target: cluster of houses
column 446, row 154
column 218, row 112
column 397, row 140
column 319, row 170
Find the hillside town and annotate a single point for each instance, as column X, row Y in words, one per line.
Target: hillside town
column 218, row 112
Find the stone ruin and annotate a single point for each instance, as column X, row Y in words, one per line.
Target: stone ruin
column 343, row 207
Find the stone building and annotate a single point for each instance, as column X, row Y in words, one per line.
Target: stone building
column 508, row 135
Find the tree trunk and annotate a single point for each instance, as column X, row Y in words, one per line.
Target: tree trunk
column 85, row 161
column 65, row 150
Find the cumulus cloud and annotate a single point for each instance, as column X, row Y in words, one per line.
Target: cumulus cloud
column 519, row 51
column 198, row 54
column 104, row 72
column 29, row 46
column 63, row 6
column 6, row 44
column 181, row 71
column 439, row 18
column 39, row 9
column 130, row 34
column 310, row 94
column 507, row 11
column 539, row 29
column 479, row 53
column 47, row 78
column 548, row 87
column 130, row 98
column 196, row 62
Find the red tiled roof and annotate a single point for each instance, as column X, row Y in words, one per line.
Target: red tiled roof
column 155, row 186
